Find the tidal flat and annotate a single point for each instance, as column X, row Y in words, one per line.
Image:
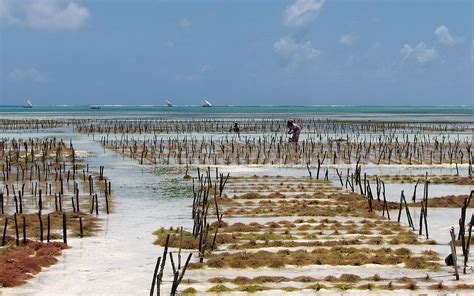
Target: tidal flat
column 90, row 205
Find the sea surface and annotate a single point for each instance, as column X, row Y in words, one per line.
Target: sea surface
column 394, row 113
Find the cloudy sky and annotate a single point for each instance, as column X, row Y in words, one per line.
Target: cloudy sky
column 296, row 52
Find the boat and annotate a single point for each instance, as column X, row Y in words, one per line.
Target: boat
column 28, row 104
column 95, row 107
column 168, row 104
column 207, row 104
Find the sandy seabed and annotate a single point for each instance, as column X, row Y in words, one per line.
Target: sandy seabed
column 120, row 257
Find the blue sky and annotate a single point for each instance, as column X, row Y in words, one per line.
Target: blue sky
column 298, row 52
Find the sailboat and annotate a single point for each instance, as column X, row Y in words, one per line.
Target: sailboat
column 95, row 107
column 28, row 104
column 207, row 104
column 168, row 104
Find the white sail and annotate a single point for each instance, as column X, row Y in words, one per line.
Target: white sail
column 207, row 104
column 168, row 104
column 28, row 104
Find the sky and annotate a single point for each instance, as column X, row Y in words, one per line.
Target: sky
column 266, row 52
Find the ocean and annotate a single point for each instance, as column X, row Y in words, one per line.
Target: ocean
column 395, row 113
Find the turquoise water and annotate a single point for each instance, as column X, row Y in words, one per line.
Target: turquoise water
column 244, row 109
column 433, row 114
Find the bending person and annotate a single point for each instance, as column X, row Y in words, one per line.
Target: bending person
column 294, row 130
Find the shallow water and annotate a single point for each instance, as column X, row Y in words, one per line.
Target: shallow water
column 396, row 113
column 120, row 259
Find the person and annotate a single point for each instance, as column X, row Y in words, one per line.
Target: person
column 236, row 128
column 294, row 130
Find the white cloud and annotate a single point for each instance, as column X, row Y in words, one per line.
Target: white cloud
column 443, row 36
column 50, row 14
column 295, row 53
column 348, row 39
column 30, row 74
column 185, row 25
column 425, row 54
column 7, row 16
column 406, row 51
column 302, row 12
column 43, row 14
column 421, row 52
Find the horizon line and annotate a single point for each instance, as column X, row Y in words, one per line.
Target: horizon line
column 232, row 105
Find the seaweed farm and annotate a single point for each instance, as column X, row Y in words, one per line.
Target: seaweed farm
column 189, row 206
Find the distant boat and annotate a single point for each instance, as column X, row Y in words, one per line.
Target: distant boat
column 168, row 104
column 95, row 107
column 207, row 104
column 28, row 104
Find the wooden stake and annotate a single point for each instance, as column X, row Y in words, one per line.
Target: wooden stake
column 5, row 231
column 64, row 229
